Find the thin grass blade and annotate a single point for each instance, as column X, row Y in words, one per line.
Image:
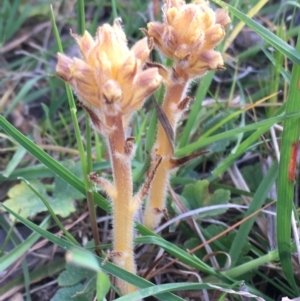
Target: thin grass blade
column 275, row 41
column 257, row 202
column 52, row 164
column 286, row 181
column 107, row 267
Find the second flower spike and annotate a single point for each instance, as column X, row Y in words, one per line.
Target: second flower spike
column 188, row 35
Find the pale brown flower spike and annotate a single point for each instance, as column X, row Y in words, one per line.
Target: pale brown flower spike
column 111, row 84
column 188, row 35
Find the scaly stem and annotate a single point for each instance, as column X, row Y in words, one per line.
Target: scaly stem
column 123, row 211
column 157, row 194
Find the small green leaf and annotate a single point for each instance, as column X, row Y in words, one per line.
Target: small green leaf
column 64, row 190
column 63, row 206
column 252, row 175
column 225, row 240
column 192, row 243
column 221, row 244
column 66, row 293
column 81, row 296
column 73, row 275
column 219, row 146
column 197, row 195
column 24, row 201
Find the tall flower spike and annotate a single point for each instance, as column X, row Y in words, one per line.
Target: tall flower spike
column 111, row 84
column 188, row 35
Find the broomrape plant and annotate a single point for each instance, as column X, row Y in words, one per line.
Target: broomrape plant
column 112, row 82
column 188, row 35
column 112, row 85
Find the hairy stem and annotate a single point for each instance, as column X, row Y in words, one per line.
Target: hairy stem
column 123, row 211
column 157, row 195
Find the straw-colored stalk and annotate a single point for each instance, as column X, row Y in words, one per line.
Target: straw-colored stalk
column 163, row 147
column 188, row 35
column 112, row 84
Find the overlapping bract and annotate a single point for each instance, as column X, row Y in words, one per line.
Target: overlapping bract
column 110, row 77
column 189, row 33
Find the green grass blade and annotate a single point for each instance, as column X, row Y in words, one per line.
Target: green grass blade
column 150, row 137
column 85, row 259
column 267, row 35
column 27, row 281
column 15, row 19
column 58, row 222
column 52, row 164
column 9, row 229
column 254, row 264
column 18, row 251
column 73, row 109
column 265, row 124
column 80, row 17
column 151, row 238
column 201, row 93
column 114, row 9
column 177, row 252
column 285, row 74
column 11, row 236
column 286, row 186
column 41, row 171
column 246, row 144
column 14, row 161
column 107, row 267
column 22, row 93
column 147, row 292
column 53, row 268
column 55, row 31
column 257, row 202
column 87, row 167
